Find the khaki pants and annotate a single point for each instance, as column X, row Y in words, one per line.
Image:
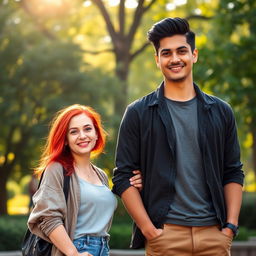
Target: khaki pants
column 189, row 241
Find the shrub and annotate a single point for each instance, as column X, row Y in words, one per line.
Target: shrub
column 244, row 234
column 120, row 236
column 248, row 211
column 12, row 230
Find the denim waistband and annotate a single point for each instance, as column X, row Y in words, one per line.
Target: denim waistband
column 95, row 239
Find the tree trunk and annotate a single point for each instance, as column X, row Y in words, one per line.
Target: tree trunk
column 4, row 170
column 122, row 71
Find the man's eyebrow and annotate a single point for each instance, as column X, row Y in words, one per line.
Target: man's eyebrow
column 169, row 50
column 182, row 47
column 166, row 50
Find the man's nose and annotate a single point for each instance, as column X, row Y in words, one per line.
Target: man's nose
column 175, row 58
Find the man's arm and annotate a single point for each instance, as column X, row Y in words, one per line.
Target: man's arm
column 127, row 152
column 233, row 175
column 127, row 160
column 133, row 203
column 233, row 199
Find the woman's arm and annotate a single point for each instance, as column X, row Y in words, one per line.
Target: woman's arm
column 61, row 240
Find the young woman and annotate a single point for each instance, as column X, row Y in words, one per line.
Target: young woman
column 79, row 226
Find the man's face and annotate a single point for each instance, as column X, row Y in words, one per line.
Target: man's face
column 175, row 58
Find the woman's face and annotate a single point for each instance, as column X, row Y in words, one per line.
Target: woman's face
column 81, row 135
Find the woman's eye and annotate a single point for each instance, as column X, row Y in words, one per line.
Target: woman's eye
column 87, row 129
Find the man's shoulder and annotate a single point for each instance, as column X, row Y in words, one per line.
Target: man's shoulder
column 215, row 100
column 219, row 106
column 143, row 102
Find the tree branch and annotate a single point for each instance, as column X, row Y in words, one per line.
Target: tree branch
column 98, row 52
column 140, row 10
column 201, row 17
column 122, row 17
column 146, row 8
column 107, row 19
column 140, row 50
column 136, row 20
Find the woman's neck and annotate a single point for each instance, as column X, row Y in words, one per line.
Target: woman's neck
column 82, row 162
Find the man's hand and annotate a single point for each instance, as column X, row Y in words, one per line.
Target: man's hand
column 228, row 232
column 151, row 232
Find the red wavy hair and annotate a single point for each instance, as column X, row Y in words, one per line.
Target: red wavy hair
column 55, row 149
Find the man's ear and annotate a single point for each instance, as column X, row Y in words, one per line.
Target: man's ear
column 195, row 55
column 157, row 60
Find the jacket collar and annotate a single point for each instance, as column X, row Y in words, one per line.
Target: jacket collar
column 158, row 97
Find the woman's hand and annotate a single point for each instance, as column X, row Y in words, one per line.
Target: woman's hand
column 136, row 180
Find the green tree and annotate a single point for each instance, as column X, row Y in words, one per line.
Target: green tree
column 127, row 28
column 37, row 77
column 230, row 64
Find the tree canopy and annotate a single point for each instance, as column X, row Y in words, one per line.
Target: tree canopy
column 56, row 53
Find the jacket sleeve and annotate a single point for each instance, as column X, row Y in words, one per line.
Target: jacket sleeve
column 49, row 203
column 128, row 150
column 232, row 166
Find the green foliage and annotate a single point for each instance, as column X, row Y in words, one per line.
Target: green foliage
column 245, row 234
column 120, row 236
column 13, row 189
column 40, row 75
column 229, row 66
column 12, row 230
column 248, row 211
column 121, row 230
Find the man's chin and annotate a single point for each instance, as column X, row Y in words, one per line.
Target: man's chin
column 177, row 80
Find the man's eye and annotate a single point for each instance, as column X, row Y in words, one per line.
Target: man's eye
column 165, row 54
column 182, row 51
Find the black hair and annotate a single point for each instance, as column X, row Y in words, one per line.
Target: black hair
column 170, row 27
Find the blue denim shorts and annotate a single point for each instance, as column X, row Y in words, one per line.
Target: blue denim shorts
column 95, row 245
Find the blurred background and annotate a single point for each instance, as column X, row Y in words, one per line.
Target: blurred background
column 54, row 53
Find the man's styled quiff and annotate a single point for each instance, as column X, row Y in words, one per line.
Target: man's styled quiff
column 169, row 27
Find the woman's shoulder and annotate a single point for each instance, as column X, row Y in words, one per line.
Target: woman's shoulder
column 53, row 173
column 102, row 174
column 54, row 166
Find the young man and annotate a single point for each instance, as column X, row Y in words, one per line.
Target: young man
column 185, row 143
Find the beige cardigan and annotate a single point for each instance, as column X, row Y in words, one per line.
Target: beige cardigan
column 51, row 209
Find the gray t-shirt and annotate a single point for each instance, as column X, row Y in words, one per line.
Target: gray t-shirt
column 96, row 210
column 192, row 203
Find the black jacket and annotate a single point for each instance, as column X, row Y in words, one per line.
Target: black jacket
column 147, row 142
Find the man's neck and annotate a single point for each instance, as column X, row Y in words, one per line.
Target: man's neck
column 179, row 91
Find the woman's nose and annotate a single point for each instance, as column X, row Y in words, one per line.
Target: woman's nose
column 82, row 134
